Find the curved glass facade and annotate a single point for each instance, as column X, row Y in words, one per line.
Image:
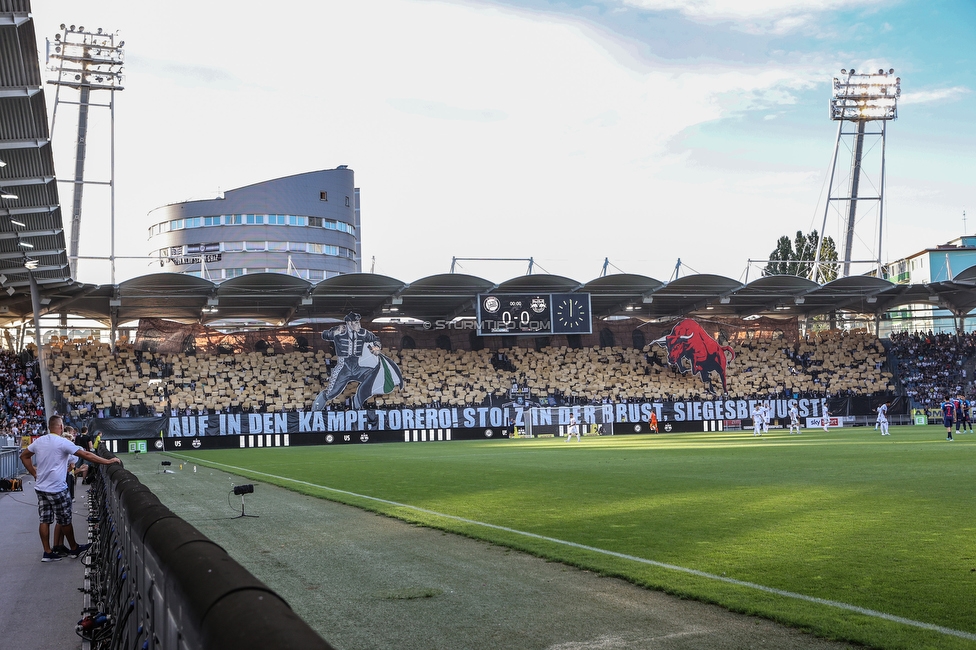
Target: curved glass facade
column 306, row 225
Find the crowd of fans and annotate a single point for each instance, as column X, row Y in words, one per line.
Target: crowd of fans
column 933, row 366
column 22, row 406
column 93, row 381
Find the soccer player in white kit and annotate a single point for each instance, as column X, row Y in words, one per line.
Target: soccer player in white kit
column 766, row 414
column 757, row 420
column 883, row 418
column 794, row 419
column 573, row 429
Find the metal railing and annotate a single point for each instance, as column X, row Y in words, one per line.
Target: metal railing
column 10, row 465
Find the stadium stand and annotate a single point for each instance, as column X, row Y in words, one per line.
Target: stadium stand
column 93, row 380
column 933, row 365
column 21, row 410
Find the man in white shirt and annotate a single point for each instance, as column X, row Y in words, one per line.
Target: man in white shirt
column 53, row 453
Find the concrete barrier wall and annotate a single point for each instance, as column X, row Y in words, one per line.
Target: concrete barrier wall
column 164, row 585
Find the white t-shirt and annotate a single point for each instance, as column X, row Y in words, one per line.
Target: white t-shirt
column 51, row 457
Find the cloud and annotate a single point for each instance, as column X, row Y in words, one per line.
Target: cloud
column 936, row 95
column 753, row 16
column 442, row 111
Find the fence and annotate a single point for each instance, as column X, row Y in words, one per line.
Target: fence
column 10, row 465
column 156, row 581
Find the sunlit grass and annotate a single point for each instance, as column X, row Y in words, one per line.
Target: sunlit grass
column 886, row 524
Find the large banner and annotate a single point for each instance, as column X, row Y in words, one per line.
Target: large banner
column 457, row 417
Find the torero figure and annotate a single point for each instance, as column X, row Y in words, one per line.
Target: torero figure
column 359, row 359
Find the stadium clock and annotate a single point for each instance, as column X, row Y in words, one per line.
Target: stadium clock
column 571, row 314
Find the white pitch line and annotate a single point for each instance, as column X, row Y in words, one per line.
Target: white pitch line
column 673, row 567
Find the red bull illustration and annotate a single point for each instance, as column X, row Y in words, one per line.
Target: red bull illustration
column 688, row 340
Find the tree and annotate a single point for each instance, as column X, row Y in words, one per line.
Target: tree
column 797, row 257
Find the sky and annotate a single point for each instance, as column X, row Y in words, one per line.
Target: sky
column 572, row 132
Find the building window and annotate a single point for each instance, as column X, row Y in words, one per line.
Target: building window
column 277, row 246
column 347, row 201
column 323, row 196
column 296, row 221
column 254, row 245
column 176, row 224
column 233, row 273
column 312, row 247
column 296, row 246
column 315, row 222
column 194, row 222
column 277, row 219
column 211, row 221
column 233, row 246
column 233, row 219
column 316, row 274
column 330, row 250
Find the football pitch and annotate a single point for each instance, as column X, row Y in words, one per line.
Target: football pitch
column 848, row 534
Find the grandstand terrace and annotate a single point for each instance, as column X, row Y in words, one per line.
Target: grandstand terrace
column 133, row 381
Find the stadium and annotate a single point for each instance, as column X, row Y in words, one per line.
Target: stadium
column 614, row 459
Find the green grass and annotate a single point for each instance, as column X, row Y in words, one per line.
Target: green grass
column 887, row 524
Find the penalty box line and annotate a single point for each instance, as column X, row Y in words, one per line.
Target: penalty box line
column 632, row 558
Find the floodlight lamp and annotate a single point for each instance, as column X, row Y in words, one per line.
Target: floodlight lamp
column 2, row 164
column 18, row 223
column 3, row 279
column 11, row 291
column 10, row 196
column 31, row 265
column 25, row 244
column 725, row 300
column 871, row 300
column 243, row 489
column 647, row 300
column 799, row 300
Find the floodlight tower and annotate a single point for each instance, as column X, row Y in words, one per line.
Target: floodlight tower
column 86, row 61
column 859, row 99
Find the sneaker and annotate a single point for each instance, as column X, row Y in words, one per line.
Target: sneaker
column 50, row 557
column 61, row 550
column 78, row 550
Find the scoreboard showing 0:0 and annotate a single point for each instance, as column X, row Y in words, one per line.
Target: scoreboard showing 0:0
column 533, row 314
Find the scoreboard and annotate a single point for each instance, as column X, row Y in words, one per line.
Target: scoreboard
column 534, row 313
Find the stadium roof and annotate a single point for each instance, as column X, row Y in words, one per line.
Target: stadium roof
column 279, row 299
column 31, row 231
